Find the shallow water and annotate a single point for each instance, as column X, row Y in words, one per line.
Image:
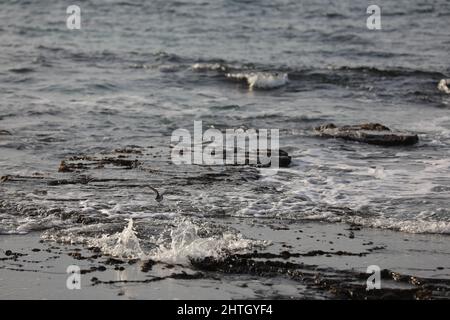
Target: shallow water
column 137, row 71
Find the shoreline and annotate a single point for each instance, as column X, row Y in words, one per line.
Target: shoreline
column 308, row 260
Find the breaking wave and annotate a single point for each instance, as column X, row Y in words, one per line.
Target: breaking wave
column 210, row 67
column 261, row 80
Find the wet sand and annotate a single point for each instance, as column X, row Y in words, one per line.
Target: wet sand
column 306, row 260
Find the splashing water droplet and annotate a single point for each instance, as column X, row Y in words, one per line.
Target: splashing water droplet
column 128, row 243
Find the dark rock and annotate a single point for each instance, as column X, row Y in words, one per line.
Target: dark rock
column 8, row 253
column 126, row 163
column 285, row 254
column 314, row 253
column 284, row 159
column 4, row 178
column 64, row 168
column 5, row 133
column 186, row 276
column 371, row 133
column 147, row 265
column 112, row 261
column 132, row 149
column 76, row 255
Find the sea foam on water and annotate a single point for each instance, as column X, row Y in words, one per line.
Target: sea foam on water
column 261, row 80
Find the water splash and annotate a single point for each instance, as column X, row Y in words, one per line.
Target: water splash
column 186, row 244
column 179, row 243
column 122, row 245
column 443, row 86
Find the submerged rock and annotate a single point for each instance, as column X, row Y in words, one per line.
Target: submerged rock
column 64, row 168
column 371, row 133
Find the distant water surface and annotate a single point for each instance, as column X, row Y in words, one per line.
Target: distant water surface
column 128, row 78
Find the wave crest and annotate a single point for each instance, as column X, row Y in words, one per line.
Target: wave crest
column 261, row 80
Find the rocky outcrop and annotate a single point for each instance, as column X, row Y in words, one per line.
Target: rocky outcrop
column 371, row 133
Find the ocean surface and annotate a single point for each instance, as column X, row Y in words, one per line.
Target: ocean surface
column 138, row 70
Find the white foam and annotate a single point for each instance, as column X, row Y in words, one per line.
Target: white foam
column 377, row 172
column 443, row 86
column 187, row 244
column 388, row 193
column 122, row 245
column 409, row 226
column 29, row 224
column 261, row 80
column 209, row 67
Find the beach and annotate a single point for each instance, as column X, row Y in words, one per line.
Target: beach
column 117, row 171
column 327, row 253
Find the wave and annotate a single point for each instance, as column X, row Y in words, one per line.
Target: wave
column 245, row 73
column 419, row 226
column 210, row 67
column 21, row 70
column 333, row 73
column 295, row 72
column 412, row 83
column 261, row 80
column 392, row 72
column 302, row 208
